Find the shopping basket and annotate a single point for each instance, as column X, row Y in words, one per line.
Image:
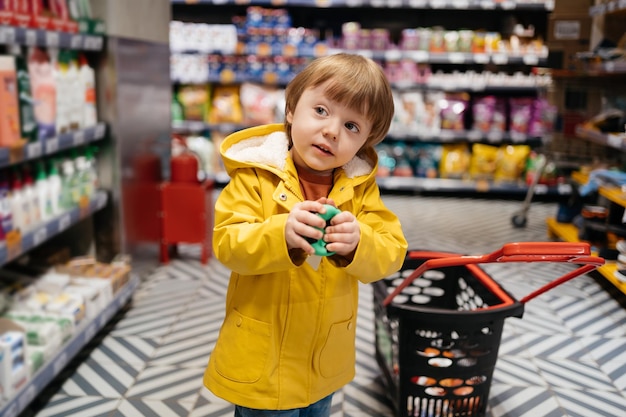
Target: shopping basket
column 437, row 337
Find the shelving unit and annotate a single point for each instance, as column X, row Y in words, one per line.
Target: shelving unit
column 328, row 16
column 52, row 368
column 569, row 233
column 41, row 233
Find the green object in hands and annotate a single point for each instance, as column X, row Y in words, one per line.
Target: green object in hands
column 320, row 245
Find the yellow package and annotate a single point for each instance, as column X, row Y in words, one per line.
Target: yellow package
column 226, row 106
column 483, row 161
column 455, row 161
column 511, row 162
column 195, row 101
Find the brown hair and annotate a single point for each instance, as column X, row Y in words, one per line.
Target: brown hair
column 356, row 82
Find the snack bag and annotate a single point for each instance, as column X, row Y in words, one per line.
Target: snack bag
column 226, row 106
column 483, row 161
column 259, row 103
column 511, row 162
column 195, row 101
column 455, row 161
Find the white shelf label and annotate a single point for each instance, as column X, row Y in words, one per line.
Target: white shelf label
column 34, row 150
column 488, row 4
column 76, row 41
column 79, row 138
column 437, row 4
column 100, row 130
column 500, row 59
column 64, row 222
column 460, row 4
column 31, row 37
column 456, row 57
column 530, row 59
column 40, row 236
column 541, row 189
column 60, row 363
column 52, row 39
column 417, row 56
column 52, row 145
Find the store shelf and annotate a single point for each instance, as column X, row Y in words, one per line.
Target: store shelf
column 614, row 140
column 44, row 231
column 83, row 336
column 569, row 233
column 50, row 39
column 52, row 145
column 612, row 6
column 468, row 186
column 421, row 4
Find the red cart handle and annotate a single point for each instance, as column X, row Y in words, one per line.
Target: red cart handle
column 578, row 253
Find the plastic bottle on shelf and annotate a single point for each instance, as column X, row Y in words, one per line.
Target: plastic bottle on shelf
column 19, row 203
column 54, row 184
column 70, row 191
column 5, row 205
column 64, row 96
column 31, row 196
column 87, row 81
column 42, row 186
column 76, row 94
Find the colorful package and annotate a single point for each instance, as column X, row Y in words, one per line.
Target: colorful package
column 455, row 161
column 511, row 162
column 483, row 161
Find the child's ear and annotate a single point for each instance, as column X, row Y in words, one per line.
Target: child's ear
column 289, row 117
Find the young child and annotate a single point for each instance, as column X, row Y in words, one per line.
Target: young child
column 288, row 338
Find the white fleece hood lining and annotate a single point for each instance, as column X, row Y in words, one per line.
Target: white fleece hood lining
column 273, row 149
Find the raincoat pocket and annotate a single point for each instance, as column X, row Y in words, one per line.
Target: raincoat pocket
column 338, row 354
column 242, row 349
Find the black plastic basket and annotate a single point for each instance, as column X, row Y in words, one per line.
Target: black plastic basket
column 437, row 338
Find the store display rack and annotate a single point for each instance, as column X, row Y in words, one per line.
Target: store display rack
column 82, row 336
column 50, row 146
column 424, row 4
column 537, row 13
column 50, row 39
column 44, row 231
column 569, row 232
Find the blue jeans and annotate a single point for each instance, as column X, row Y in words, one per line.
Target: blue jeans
column 318, row 409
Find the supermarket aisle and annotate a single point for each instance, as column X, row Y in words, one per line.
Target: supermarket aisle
column 565, row 357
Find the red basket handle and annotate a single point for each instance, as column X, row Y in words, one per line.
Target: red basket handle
column 578, row 253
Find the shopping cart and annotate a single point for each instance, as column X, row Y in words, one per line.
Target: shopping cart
column 437, row 337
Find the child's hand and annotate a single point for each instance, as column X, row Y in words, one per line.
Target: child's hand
column 301, row 224
column 343, row 235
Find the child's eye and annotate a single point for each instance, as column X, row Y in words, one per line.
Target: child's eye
column 320, row 110
column 352, row 127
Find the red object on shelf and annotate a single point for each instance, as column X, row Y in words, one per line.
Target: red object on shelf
column 186, row 216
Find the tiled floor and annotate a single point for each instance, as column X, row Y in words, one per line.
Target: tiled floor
column 566, row 357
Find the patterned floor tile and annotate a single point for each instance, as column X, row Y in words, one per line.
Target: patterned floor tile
column 101, row 379
column 576, row 375
column 128, row 349
column 555, row 346
column 64, row 406
column 515, row 401
column 167, row 383
column 517, row 371
column 153, row 408
column 565, row 357
column 593, row 403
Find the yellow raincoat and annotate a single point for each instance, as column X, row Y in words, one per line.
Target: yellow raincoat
column 288, row 338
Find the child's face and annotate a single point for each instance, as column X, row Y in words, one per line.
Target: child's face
column 325, row 133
